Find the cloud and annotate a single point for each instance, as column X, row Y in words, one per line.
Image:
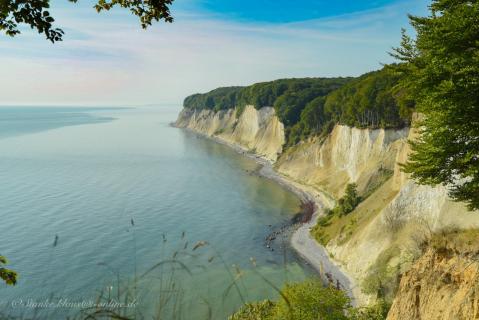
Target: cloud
column 109, row 60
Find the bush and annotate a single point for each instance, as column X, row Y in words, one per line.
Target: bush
column 382, row 278
column 254, row 311
column 324, row 221
column 378, row 311
column 348, row 202
column 310, row 300
column 456, row 240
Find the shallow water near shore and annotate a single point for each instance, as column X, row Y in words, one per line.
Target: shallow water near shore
column 123, row 191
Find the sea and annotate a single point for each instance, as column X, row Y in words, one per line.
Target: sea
column 106, row 209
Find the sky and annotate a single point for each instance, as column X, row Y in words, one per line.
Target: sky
column 107, row 59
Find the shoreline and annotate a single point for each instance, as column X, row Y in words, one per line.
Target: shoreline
column 305, row 245
column 301, row 241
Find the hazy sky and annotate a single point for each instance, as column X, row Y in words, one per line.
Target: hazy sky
column 107, row 59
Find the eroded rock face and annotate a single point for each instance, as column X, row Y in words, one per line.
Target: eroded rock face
column 346, row 155
column 402, row 213
column 440, row 285
column 255, row 130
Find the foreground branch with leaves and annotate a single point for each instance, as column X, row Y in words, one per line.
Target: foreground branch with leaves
column 35, row 14
column 441, row 73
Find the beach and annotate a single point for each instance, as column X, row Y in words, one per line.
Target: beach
column 301, row 240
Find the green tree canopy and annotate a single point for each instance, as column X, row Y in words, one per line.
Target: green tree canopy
column 441, row 69
column 311, row 106
column 369, row 101
column 35, row 14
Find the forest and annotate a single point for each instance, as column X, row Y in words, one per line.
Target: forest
column 311, row 106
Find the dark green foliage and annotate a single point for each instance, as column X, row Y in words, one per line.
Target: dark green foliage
column 310, row 300
column 254, row 311
column 297, row 96
column 291, row 103
column 312, row 106
column 313, row 121
column 218, row 99
column 346, row 205
column 441, row 69
column 369, row 101
column 324, row 221
column 7, row 275
column 348, row 202
column 377, row 311
column 288, row 96
column 35, row 14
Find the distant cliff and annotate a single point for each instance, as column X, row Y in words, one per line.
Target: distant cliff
column 255, row 130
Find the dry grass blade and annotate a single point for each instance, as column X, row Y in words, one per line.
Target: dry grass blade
column 181, row 264
column 200, row 244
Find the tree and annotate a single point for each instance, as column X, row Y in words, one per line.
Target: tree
column 351, row 198
column 35, row 14
column 441, row 73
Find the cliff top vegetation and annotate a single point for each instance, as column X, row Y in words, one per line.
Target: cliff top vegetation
column 312, row 106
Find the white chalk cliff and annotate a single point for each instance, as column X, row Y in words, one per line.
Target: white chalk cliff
column 259, row 131
column 397, row 209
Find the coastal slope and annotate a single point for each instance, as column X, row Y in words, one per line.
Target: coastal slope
column 385, row 231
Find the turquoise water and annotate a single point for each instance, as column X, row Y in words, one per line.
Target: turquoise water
column 123, row 191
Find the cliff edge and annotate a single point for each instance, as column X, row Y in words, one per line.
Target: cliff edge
column 443, row 283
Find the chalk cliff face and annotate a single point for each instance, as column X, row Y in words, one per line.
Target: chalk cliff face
column 346, row 155
column 397, row 212
column 259, row 131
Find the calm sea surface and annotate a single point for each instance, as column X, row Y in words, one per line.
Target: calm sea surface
column 101, row 200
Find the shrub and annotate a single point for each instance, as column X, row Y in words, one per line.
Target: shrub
column 311, row 300
column 456, row 240
column 324, row 221
column 377, row 311
column 319, row 234
column 348, row 202
column 383, row 276
column 254, row 311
